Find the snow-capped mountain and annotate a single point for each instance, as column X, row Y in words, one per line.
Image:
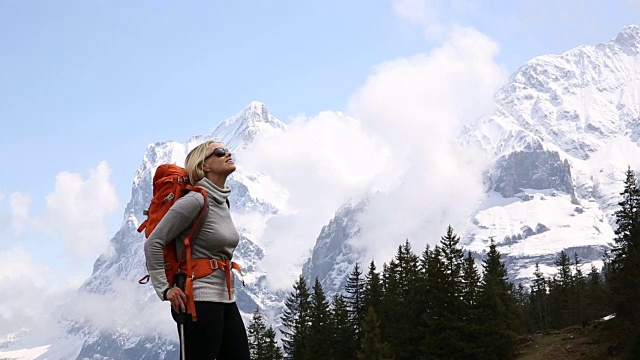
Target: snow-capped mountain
column 240, row 130
column 564, row 130
column 113, row 316
column 556, row 190
column 333, row 257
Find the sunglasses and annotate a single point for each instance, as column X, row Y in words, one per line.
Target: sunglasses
column 219, row 152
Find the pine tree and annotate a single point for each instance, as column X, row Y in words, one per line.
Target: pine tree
column 399, row 308
column 372, row 292
column 423, row 270
column 469, row 311
column 596, row 298
column 627, row 217
column 295, row 320
column 579, row 313
column 453, row 258
column 318, row 340
column 262, row 339
column 470, row 281
column 625, row 265
column 436, row 339
column 271, row 349
column 343, row 340
column 563, row 263
column 422, row 290
column 607, row 268
column 522, row 305
column 540, row 316
column 374, row 345
column 354, row 290
column 448, row 318
column 255, row 333
column 559, row 292
column 499, row 313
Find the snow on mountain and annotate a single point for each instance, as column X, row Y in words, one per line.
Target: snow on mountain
column 333, row 257
column 573, row 101
column 112, row 316
column 564, row 129
column 240, row 130
column 535, row 225
column 24, row 354
column 12, row 347
column 568, row 124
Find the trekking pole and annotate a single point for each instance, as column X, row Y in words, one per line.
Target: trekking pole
column 181, row 279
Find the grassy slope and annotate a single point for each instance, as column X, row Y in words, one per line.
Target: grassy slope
column 597, row 340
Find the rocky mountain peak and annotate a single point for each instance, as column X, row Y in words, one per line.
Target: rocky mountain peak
column 576, row 100
column 629, row 37
column 239, row 130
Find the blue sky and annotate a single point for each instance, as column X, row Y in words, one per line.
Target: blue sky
column 83, row 82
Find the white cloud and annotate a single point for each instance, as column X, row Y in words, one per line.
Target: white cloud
column 321, row 161
column 77, row 209
column 418, row 105
column 426, row 13
column 38, row 296
column 435, row 17
column 19, row 203
column 26, row 285
column 408, row 113
column 422, row 98
column 126, row 309
column 5, row 216
column 416, row 10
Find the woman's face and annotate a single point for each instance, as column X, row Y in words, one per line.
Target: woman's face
column 219, row 160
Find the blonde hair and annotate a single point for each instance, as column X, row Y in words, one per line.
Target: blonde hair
column 194, row 160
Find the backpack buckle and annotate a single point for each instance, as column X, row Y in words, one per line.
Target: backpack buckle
column 214, row 264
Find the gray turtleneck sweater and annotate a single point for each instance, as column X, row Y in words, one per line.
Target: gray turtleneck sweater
column 217, row 239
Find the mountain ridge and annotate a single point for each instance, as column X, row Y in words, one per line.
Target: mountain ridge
column 128, row 335
column 549, row 181
column 547, row 146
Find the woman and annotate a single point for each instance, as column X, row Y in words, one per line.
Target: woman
column 219, row 332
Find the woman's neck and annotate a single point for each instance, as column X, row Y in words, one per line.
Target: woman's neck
column 217, row 180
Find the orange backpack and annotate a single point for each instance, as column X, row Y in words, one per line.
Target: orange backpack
column 170, row 183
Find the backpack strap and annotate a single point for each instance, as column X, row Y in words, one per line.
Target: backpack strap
column 194, row 267
column 205, row 267
column 191, row 306
column 198, row 223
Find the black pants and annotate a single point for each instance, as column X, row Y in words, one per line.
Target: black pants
column 218, row 334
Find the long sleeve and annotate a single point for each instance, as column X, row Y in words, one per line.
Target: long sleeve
column 179, row 217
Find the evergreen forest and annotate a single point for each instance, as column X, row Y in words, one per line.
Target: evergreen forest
column 442, row 303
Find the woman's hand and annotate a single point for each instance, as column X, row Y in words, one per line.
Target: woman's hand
column 177, row 298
